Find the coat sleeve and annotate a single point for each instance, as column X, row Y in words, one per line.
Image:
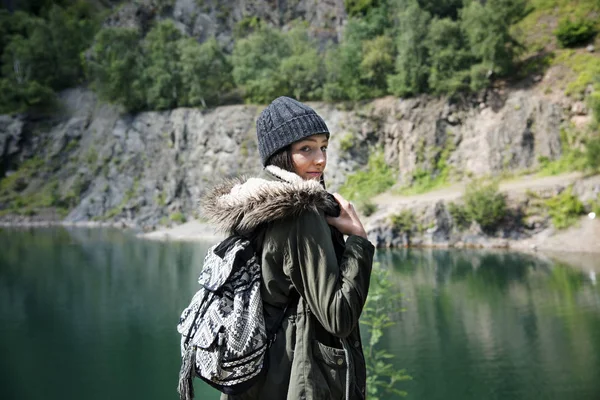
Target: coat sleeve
column 335, row 293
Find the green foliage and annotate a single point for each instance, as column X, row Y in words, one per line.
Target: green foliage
column 269, row 63
column 161, row 71
column 594, row 105
column 441, row 8
column 377, row 63
column 374, row 179
column 347, row 141
column 412, row 62
column 368, row 208
column 450, row 57
column 487, row 29
column 573, row 33
column 564, row 209
column 459, row 215
column 256, row 61
column 246, row 26
column 426, row 180
column 572, row 158
column 404, row 221
column 360, row 7
column 177, row 217
column 592, row 154
column 205, row 73
column 381, row 303
column 41, row 54
column 115, row 67
column 484, row 204
column 303, row 70
column 162, row 74
column 585, row 66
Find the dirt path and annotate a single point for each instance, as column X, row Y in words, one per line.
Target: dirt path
column 512, row 187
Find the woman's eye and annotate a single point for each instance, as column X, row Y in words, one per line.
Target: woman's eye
column 305, row 149
column 324, row 148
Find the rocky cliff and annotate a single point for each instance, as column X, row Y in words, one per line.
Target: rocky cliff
column 149, row 169
column 219, row 18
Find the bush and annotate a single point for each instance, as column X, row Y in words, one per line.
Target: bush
column 594, row 104
column 572, row 33
column 459, row 215
column 374, row 179
column 484, row 204
column 403, row 222
column 564, row 209
column 592, row 154
column 177, row 217
column 367, row 207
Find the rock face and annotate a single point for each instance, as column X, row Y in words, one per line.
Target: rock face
column 219, row 18
column 419, row 134
column 152, row 167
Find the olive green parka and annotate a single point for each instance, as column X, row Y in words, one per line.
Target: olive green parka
column 308, row 268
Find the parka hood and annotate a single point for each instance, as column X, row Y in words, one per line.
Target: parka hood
column 241, row 205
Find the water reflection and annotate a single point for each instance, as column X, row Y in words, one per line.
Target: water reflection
column 92, row 313
column 486, row 325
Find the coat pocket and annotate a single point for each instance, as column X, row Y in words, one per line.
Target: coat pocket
column 329, row 372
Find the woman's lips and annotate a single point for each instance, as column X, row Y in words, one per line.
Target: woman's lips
column 314, row 174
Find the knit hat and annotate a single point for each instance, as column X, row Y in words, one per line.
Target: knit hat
column 284, row 122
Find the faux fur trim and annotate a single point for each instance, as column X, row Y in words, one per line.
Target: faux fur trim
column 240, row 206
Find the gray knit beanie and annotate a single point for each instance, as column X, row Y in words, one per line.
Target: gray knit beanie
column 284, row 122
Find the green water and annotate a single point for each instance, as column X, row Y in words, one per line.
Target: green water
column 91, row 314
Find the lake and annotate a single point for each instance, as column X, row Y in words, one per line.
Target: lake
column 91, row 313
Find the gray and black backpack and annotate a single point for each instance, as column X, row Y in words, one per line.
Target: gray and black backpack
column 223, row 335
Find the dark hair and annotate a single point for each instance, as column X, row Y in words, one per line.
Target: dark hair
column 283, row 159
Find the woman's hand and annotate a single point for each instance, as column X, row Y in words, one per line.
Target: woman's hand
column 348, row 222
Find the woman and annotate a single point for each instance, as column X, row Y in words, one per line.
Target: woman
column 319, row 282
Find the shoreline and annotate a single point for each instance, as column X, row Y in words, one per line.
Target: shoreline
column 581, row 239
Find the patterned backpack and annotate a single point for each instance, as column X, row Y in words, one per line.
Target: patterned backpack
column 223, row 333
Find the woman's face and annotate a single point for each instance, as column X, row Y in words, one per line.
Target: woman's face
column 309, row 156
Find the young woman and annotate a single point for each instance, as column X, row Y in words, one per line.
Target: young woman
column 309, row 272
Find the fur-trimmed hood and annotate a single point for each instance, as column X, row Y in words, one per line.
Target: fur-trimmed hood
column 240, row 206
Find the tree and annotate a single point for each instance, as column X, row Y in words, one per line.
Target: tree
column 115, row 67
column 450, row 59
column 256, row 61
column 162, row 72
column 205, row 72
column 377, row 64
column 487, row 29
column 303, row 69
column 411, row 66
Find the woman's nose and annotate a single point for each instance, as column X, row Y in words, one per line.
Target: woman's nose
column 320, row 157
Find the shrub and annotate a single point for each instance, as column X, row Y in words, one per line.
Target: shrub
column 403, row 222
column 459, row 215
column 564, row 209
column 374, row 179
column 594, row 104
column 592, row 154
column 347, row 141
column 367, row 208
column 177, row 217
column 484, row 204
column 572, row 33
